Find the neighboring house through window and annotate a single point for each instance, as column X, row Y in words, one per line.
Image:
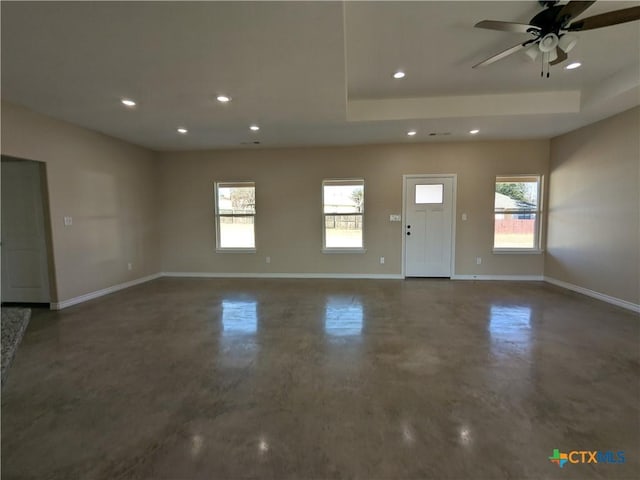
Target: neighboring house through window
column 517, row 211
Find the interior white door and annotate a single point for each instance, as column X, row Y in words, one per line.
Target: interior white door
column 428, row 226
column 25, row 276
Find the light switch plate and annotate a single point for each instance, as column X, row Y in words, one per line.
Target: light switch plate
column 395, row 218
column 68, row 221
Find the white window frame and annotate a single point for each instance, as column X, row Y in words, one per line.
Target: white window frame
column 338, row 182
column 539, row 212
column 219, row 249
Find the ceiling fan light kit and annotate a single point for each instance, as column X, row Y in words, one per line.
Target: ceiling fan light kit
column 567, row 42
column 548, row 42
column 533, row 52
column 549, row 29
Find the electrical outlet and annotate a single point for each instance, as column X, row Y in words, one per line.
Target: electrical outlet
column 68, row 221
column 381, row 260
column 464, row 217
column 129, row 266
column 268, row 259
column 478, row 260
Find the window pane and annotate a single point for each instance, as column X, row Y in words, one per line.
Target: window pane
column 516, row 195
column 429, row 193
column 343, row 198
column 236, row 199
column 515, row 230
column 343, row 231
column 237, row 232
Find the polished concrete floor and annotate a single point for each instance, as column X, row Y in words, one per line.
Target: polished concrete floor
column 313, row 379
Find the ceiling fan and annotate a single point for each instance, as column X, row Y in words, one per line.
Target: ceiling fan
column 551, row 29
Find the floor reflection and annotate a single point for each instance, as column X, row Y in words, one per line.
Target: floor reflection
column 239, row 317
column 408, row 435
column 238, row 342
column 197, row 441
column 510, row 327
column 465, row 437
column 343, row 316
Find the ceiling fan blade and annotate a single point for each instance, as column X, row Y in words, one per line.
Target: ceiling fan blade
column 606, row 19
column 571, row 10
column 507, row 26
column 501, row 55
column 562, row 56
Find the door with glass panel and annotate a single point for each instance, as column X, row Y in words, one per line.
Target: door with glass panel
column 428, row 225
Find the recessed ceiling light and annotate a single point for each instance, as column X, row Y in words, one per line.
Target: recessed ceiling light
column 223, row 98
column 182, row 130
column 411, row 133
column 473, row 132
column 398, row 74
column 128, row 102
column 255, row 128
column 573, row 65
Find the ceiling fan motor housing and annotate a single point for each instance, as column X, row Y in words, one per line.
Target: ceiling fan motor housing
column 550, row 20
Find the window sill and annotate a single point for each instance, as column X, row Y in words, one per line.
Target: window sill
column 235, row 250
column 518, row 251
column 344, row 250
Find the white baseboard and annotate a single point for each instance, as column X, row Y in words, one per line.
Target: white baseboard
column 372, row 276
column 100, row 293
column 509, row 278
column 592, row 293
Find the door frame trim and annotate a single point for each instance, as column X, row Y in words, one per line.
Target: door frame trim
column 454, row 178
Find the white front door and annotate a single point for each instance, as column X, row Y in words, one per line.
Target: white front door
column 25, row 276
column 428, row 225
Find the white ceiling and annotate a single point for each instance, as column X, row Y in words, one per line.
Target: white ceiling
column 309, row 73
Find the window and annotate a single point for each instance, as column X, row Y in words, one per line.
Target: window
column 429, row 193
column 343, row 210
column 517, row 213
column 235, row 216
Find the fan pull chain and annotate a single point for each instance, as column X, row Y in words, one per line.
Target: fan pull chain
column 544, row 59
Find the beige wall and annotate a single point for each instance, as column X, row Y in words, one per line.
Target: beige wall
column 108, row 187
column 156, row 210
column 594, row 218
column 288, row 195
